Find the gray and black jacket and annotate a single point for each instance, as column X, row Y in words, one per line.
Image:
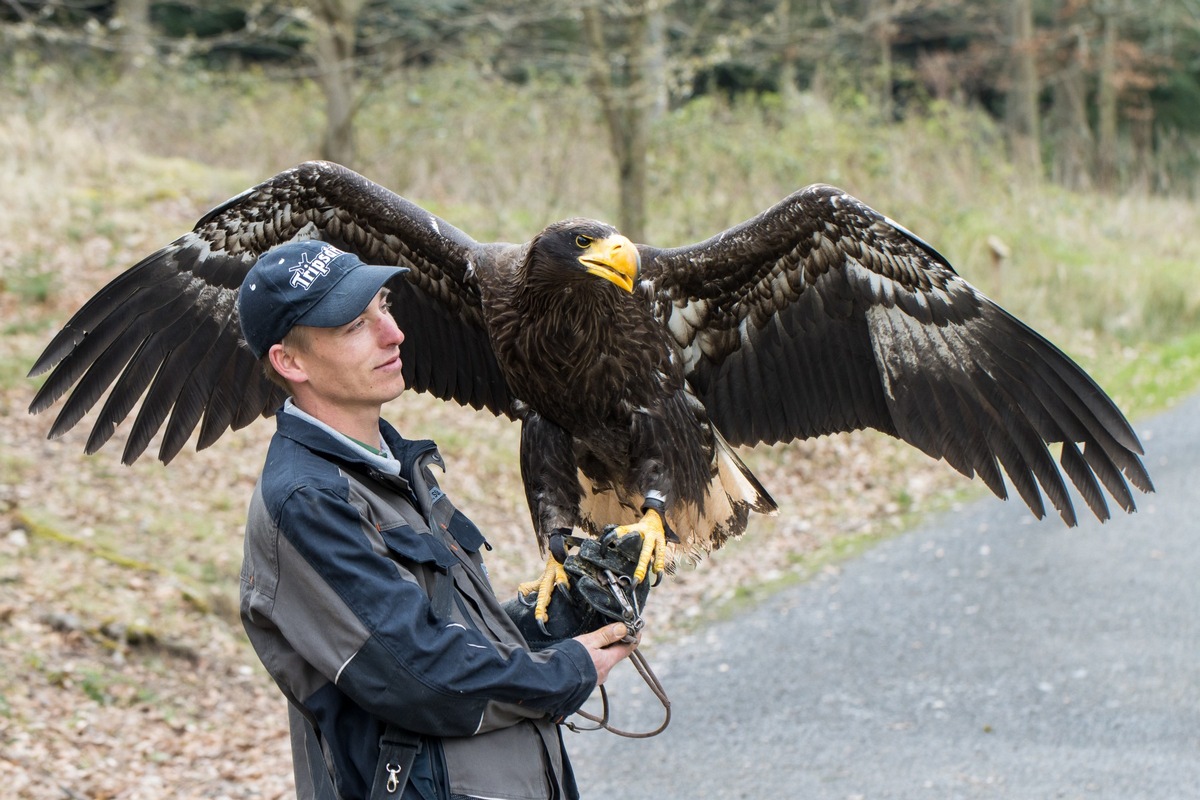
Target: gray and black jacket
column 344, row 551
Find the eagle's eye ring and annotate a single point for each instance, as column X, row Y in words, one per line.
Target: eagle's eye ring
column 583, row 242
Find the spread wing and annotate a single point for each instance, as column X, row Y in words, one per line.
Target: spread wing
column 166, row 331
column 821, row 315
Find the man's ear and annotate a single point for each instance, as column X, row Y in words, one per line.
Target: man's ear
column 286, row 364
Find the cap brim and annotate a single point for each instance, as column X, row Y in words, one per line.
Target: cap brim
column 349, row 297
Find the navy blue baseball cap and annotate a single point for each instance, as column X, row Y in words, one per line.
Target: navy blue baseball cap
column 305, row 283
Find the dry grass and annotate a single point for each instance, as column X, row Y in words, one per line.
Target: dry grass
column 91, row 551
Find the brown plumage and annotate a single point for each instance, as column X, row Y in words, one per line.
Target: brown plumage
column 629, row 366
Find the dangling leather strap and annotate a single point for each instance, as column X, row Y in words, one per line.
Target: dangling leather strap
column 643, row 667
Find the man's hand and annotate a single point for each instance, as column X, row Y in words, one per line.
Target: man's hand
column 605, row 647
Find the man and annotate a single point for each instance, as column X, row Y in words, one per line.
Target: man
column 363, row 590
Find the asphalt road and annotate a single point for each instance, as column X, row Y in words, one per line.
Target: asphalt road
column 983, row 655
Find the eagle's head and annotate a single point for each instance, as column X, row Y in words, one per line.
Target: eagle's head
column 580, row 249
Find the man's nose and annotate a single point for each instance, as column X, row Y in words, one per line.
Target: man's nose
column 389, row 332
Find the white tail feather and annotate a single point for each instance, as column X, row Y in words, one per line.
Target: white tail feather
column 733, row 493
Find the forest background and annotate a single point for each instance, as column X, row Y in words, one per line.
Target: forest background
column 1048, row 149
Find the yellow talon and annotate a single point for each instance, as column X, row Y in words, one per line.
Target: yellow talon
column 552, row 576
column 654, row 543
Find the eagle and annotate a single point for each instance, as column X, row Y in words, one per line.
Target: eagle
column 634, row 370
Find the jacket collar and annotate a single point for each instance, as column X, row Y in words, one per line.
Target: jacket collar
column 315, row 435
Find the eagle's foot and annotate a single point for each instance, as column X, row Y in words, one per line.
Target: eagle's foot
column 654, row 544
column 553, row 576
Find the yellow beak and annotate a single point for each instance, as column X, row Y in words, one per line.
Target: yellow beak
column 615, row 259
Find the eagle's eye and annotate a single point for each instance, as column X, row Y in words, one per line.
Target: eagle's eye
column 582, row 242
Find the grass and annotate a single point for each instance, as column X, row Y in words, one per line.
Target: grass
column 1152, row 379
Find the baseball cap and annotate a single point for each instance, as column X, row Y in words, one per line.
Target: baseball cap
column 305, row 283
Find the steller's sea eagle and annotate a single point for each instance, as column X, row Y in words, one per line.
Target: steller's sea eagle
column 632, row 368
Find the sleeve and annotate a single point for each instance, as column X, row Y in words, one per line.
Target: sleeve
column 366, row 624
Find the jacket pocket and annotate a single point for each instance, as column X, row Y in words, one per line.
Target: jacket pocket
column 466, row 533
column 415, row 547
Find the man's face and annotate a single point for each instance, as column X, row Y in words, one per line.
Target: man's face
column 354, row 365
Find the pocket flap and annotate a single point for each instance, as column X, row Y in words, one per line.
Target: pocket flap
column 420, row 548
column 465, row 532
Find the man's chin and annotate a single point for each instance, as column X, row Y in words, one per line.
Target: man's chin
column 394, row 392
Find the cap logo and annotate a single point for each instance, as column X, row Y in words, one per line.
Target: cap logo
column 307, row 271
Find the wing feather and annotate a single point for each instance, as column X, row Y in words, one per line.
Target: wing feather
column 191, row 399
column 176, row 369
column 153, row 360
column 149, row 333
column 223, row 404
column 108, row 363
column 254, row 394
column 1109, row 473
column 820, row 315
column 1077, row 469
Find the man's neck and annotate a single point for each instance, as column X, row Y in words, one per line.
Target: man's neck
column 360, row 424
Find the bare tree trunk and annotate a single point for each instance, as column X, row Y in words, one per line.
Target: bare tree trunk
column 1106, row 98
column 1071, row 129
column 621, row 85
column 656, row 63
column 1141, row 137
column 789, row 92
column 1022, row 102
column 883, row 30
column 134, row 19
column 334, row 53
